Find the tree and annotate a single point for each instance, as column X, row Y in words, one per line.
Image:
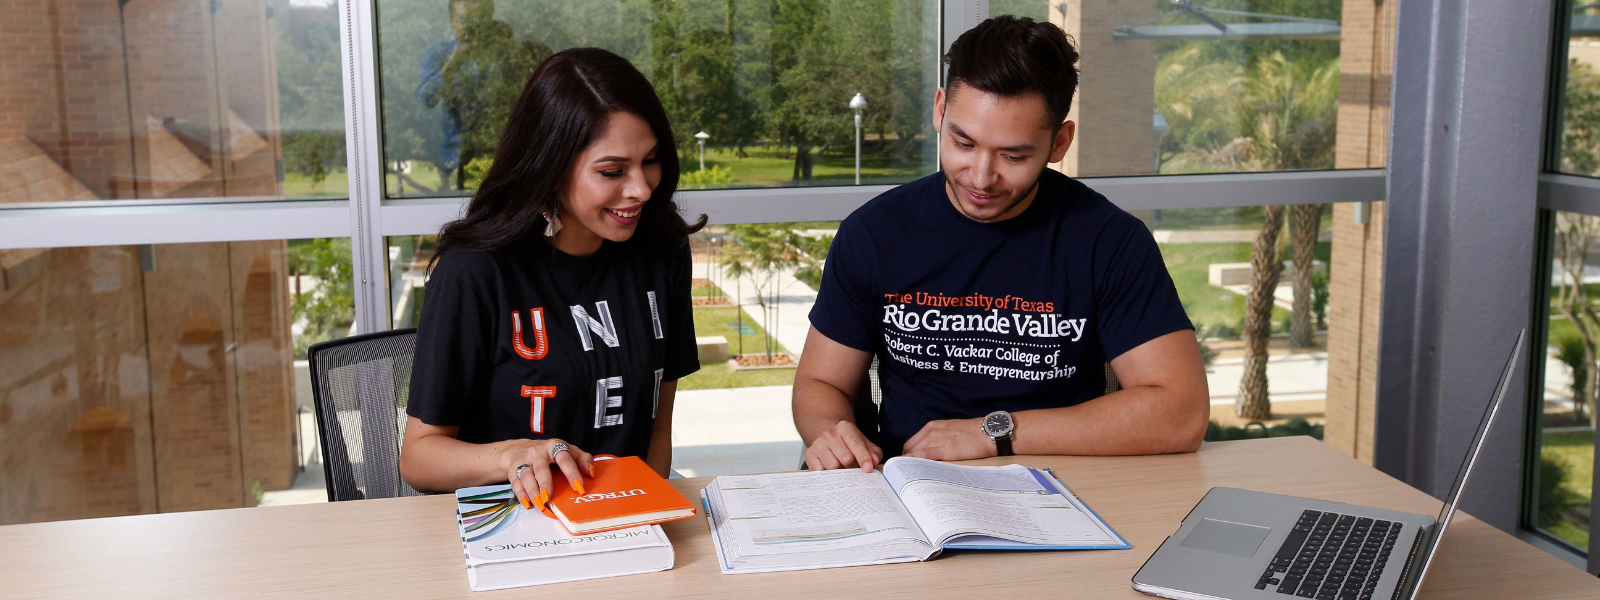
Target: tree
column 328, row 309
column 762, row 253
column 1574, row 233
column 1286, row 111
column 1305, row 223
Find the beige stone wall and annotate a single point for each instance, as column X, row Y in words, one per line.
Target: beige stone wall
column 208, row 76
column 1115, row 104
column 126, row 392
column 1355, row 278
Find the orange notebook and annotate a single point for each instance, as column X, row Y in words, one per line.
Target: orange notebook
column 624, row 492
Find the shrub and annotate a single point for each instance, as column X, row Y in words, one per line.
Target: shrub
column 700, row 179
column 1256, row 430
column 1553, row 493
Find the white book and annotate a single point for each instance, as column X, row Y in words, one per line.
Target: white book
column 909, row 510
column 508, row 546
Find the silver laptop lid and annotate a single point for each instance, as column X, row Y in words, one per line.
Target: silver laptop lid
column 1449, row 510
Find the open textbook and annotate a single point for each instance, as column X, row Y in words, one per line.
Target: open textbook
column 906, row 511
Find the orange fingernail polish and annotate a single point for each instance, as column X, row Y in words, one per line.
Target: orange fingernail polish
column 539, row 503
column 544, row 495
column 524, row 501
column 577, row 484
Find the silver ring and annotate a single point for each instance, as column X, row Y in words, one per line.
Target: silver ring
column 557, row 448
column 522, row 467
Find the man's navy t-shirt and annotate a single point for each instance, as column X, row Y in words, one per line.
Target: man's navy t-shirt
column 967, row 318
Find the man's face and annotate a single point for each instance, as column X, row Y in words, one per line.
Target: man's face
column 994, row 149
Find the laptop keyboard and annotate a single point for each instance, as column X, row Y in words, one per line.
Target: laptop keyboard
column 1330, row 556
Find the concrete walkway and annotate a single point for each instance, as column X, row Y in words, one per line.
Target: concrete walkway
column 794, row 300
column 734, row 431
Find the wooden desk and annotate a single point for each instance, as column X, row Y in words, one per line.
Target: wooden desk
column 409, row 548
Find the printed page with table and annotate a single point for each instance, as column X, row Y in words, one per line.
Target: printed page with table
column 909, row 510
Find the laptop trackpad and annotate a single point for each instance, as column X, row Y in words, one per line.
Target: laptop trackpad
column 1237, row 539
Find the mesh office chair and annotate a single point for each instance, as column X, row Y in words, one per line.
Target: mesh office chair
column 360, row 385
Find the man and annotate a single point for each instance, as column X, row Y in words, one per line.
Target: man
column 994, row 292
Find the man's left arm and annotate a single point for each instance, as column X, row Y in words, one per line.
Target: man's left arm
column 1162, row 408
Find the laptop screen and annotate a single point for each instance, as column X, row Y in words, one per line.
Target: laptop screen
column 1454, row 498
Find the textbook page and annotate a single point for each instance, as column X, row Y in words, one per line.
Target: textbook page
column 810, row 520
column 1012, row 506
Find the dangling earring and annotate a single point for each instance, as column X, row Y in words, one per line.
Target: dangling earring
column 554, row 224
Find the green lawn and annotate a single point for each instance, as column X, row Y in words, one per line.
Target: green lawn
column 706, row 291
column 719, row 321
column 768, row 167
column 1236, row 217
column 1576, row 449
column 1208, row 305
column 300, row 185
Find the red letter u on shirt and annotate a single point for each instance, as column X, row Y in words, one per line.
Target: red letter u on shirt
column 536, row 412
column 540, row 345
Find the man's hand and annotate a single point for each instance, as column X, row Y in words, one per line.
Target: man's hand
column 841, row 447
column 953, row 439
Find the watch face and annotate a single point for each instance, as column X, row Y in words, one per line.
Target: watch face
column 998, row 423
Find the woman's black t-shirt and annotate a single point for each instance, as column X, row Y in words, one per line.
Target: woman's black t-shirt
column 529, row 342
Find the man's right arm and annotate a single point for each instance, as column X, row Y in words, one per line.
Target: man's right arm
column 825, row 385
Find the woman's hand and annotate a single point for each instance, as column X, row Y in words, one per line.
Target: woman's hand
column 535, row 482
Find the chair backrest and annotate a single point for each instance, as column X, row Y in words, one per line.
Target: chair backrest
column 360, row 385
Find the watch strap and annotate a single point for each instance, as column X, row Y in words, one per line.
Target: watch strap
column 1003, row 444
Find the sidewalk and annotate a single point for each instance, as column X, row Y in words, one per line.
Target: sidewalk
column 734, row 431
column 794, row 299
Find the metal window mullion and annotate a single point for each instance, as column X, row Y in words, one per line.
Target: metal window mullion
column 1463, row 181
column 1569, row 193
column 369, row 262
column 779, row 205
column 70, row 227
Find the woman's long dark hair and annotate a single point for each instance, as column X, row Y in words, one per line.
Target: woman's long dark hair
column 563, row 108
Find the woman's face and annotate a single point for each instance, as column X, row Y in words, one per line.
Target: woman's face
column 608, row 186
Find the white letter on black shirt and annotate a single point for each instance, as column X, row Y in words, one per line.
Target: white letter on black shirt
column 602, row 401
column 603, row 328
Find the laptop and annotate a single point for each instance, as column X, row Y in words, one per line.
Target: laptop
column 1244, row 545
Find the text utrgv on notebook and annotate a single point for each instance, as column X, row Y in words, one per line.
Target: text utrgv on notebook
column 907, row 511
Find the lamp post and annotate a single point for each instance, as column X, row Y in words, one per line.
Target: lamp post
column 700, row 138
column 858, row 103
column 1161, row 130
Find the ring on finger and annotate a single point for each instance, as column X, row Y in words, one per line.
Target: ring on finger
column 522, row 467
column 557, row 448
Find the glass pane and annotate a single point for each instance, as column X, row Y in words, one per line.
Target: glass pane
column 162, row 101
column 768, row 81
column 140, row 379
column 1566, row 423
column 1580, row 103
column 1261, row 385
column 1289, row 85
column 733, row 416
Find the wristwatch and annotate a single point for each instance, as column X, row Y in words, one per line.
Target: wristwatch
column 1000, row 428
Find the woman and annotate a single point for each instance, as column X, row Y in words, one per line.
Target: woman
column 557, row 318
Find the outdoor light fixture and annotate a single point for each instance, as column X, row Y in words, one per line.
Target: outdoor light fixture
column 1161, row 130
column 700, row 138
column 858, row 103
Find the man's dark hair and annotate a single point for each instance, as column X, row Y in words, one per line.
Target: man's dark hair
column 1010, row 57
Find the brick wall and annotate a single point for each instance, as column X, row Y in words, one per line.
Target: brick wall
column 1115, row 104
column 126, row 392
column 62, row 86
column 1356, row 271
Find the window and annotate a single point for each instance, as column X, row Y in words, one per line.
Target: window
column 1566, row 416
column 212, row 111
column 1164, row 91
column 161, row 378
column 769, row 84
column 160, row 102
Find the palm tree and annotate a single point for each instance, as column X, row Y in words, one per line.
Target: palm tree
column 1286, row 113
column 1304, row 224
